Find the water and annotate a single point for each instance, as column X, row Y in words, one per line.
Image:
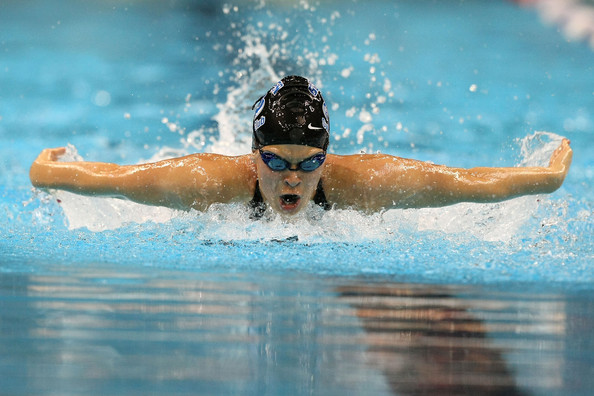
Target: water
column 93, row 330
column 102, row 296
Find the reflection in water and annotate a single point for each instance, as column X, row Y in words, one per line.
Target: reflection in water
column 102, row 331
column 428, row 342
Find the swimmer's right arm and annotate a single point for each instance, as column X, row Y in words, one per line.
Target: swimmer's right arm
column 195, row 181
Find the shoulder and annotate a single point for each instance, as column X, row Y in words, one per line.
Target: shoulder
column 218, row 163
column 233, row 169
column 347, row 167
column 365, row 181
column 219, row 178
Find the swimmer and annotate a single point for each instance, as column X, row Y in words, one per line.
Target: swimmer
column 289, row 167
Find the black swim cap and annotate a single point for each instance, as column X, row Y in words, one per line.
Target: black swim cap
column 292, row 112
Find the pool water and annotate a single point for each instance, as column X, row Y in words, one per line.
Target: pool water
column 103, row 296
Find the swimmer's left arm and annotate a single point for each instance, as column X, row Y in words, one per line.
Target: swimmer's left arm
column 386, row 182
column 484, row 185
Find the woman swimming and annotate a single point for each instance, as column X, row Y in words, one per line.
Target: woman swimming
column 289, row 167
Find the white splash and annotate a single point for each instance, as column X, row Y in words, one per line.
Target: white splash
column 100, row 214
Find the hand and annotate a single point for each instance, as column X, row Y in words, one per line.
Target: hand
column 50, row 155
column 561, row 157
column 41, row 170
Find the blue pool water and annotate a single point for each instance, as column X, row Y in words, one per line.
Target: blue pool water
column 102, row 296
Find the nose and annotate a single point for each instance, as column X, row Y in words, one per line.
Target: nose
column 292, row 179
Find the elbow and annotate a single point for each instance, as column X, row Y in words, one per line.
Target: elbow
column 548, row 186
column 553, row 185
column 36, row 175
column 543, row 187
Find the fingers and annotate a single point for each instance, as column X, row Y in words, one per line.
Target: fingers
column 568, row 154
column 52, row 154
column 562, row 156
column 58, row 152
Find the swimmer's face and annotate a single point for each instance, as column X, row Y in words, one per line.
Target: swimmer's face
column 288, row 191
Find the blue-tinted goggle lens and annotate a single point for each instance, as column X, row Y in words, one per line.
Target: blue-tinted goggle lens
column 277, row 163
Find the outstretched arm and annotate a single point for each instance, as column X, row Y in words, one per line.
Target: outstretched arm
column 381, row 182
column 195, row 181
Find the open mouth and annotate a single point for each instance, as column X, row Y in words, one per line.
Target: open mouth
column 289, row 201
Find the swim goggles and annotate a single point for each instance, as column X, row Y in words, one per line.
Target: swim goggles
column 278, row 164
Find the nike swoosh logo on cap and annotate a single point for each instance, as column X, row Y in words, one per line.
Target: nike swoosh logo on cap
column 313, row 127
